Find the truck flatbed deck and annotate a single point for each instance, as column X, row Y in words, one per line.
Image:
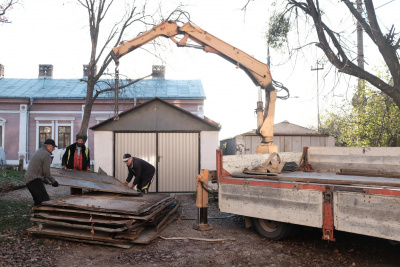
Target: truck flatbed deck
column 356, row 204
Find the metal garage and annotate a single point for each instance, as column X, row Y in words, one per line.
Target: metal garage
column 174, row 140
column 288, row 137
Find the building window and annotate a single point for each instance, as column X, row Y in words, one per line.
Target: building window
column 64, row 136
column 44, row 133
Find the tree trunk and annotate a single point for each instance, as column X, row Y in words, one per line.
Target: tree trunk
column 87, row 109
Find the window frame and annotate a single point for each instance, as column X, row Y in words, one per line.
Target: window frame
column 54, row 123
column 38, row 132
column 70, row 134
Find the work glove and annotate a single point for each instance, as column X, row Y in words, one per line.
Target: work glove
column 55, row 184
column 134, row 187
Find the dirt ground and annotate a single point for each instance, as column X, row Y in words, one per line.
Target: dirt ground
column 244, row 247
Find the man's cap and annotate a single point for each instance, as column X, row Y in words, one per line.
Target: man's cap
column 126, row 157
column 50, row 142
column 80, row 137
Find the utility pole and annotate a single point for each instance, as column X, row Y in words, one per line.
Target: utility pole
column 317, row 68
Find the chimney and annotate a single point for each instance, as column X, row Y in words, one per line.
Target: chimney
column 45, row 71
column 158, row 72
column 86, row 71
column 1, row 71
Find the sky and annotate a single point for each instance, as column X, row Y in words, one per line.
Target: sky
column 56, row 32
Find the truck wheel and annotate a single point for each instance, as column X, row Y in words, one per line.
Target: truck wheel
column 272, row 229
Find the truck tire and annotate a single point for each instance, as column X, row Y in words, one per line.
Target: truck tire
column 272, row 229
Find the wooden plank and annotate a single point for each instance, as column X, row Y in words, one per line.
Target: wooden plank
column 329, row 178
column 97, row 186
column 74, row 233
column 163, row 206
column 160, row 224
column 54, row 209
column 372, row 173
column 85, row 175
column 140, row 198
column 110, row 205
column 150, row 234
column 83, row 218
column 129, row 235
column 79, row 226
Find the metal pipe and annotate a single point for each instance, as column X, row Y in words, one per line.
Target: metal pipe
column 203, row 216
column 27, row 129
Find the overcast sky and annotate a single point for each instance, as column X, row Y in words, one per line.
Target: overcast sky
column 55, row 32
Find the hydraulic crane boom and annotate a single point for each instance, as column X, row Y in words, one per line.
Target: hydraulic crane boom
column 258, row 72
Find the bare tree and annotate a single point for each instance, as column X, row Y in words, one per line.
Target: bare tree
column 335, row 45
column 5, row 7
column 97, row 10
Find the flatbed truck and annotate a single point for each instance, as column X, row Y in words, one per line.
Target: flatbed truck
column 367, row 205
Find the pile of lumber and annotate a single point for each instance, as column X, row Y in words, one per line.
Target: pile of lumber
column 105, row 218
column 109, row 214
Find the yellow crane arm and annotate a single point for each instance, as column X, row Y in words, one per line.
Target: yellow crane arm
column 258, row 72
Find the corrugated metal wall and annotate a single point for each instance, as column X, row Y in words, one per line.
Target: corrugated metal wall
column 140, row 145
column 288, row 143
column 178, row 155
column 179, row 161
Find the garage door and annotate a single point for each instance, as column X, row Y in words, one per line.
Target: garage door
column 175, row 156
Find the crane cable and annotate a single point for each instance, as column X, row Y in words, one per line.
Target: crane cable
column 116, row 111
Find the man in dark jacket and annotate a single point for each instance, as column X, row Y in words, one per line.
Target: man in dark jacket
column 38, row 172
column 76, row 157
column 142, row 170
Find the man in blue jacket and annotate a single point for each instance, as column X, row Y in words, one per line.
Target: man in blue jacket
column 142, row 170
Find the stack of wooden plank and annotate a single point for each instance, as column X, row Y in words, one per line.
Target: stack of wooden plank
column 104, row 216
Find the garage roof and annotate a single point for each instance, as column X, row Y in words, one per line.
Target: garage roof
column 157, row 115
column 76, row 89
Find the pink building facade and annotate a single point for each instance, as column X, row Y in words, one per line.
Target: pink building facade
column 32, row 110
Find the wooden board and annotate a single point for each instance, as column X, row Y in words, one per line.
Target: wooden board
column 81, row 234
column 330, row 178
column 79, row 226
column 83, row 218
column 95, row 185
column 85, row 175
column 152, row 233
column 130, row 235
column 133, row 206
column 75, row 211
column 163, row 221
column 69, row 210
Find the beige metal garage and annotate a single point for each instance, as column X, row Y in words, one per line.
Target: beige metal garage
column 174, row 140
